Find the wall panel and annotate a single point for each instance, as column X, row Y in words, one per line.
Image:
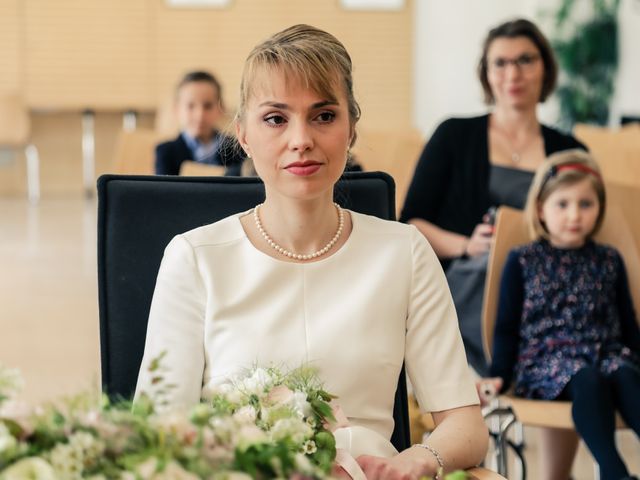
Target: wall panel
column 125, row 54
column 11, row 36
column 89, row 54
column 379, row 42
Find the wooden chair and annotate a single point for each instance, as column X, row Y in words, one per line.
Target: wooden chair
column 510, row 231
column 393, row 152
column 15, row 133
column 617, row 151
column 189, row 168
column 627, row 199
column 135, row 152
column 479, row 473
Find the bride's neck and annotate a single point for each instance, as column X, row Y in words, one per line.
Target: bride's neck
column 299, row 226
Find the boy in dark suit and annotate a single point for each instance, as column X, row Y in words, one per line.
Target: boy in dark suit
column 199, row 108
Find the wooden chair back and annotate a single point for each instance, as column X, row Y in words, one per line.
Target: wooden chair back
column 135, row 152
column 15, row 124
column 189, row 168
column 393, row 152
column 616, row 151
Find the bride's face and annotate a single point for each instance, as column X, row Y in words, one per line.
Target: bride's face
column 297, row 139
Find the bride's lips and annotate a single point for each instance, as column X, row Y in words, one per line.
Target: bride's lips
column 303, row 169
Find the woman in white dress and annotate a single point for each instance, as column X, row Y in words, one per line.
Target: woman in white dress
column 299, row 280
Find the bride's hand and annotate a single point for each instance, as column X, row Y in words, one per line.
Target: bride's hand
column 340, row 473
column 411, row 464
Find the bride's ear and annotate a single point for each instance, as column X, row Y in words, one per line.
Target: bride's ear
column 242, row 140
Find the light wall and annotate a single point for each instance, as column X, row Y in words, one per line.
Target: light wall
column 626, row 100
column 448, row 42
column 128, row 54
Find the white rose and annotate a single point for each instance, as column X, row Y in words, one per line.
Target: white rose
column 31, row 468
column 173, row 471
column 228, row 391
column 7, row 442
column 280, row 395
column 293, row 428
column 66, row 460
column 257, row 382
column 299, row 403
column 246, row 414
column 249, row 435
column 147, row 469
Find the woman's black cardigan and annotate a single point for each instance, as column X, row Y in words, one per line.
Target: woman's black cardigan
column 450, row 186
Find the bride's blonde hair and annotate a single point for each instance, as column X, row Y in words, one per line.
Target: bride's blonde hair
column 304, row 54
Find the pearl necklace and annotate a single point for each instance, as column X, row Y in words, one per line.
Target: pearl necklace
column 299, row 256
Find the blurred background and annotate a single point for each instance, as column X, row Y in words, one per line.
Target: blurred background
column 86, row 88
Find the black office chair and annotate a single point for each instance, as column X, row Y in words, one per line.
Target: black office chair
column 139, row 215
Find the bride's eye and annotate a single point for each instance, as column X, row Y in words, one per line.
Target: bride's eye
column 274, row 119
column 326, row 117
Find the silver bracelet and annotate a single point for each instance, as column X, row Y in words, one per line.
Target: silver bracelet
column 439, row 474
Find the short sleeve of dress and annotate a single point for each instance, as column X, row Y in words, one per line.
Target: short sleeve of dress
column 176, row 327
column 435, row 358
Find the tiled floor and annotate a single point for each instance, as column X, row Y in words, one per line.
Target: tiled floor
column 49, row 308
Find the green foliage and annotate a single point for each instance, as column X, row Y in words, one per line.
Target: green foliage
column 587, row 53
column 457, row 475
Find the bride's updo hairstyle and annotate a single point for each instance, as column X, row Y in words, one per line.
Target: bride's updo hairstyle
column 305, row 54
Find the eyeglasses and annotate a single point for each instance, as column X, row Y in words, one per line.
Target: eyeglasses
column 524, row 63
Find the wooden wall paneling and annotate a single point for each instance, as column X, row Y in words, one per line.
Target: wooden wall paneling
column 69, row 55
column 220, row 40
column 11, row 37
column 89, row 54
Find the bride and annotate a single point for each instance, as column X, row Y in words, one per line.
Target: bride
column 298, row 279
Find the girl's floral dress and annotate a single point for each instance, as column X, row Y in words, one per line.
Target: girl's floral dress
column 561, row 310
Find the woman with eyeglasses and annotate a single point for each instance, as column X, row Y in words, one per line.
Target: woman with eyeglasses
column 472, row 165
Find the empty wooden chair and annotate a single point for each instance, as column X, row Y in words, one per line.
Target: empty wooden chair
column 15, row 134
column 617, row 151
column 135, row 152
column 393, row 152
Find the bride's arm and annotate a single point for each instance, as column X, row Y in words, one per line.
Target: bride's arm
column 175, row 330
column 460, row 440
column 460, row 437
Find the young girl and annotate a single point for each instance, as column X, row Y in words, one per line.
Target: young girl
column 566, row 328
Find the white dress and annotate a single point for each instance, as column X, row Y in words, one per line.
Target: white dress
column 221, row 305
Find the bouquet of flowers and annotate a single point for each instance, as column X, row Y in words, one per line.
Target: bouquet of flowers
column 264, row 424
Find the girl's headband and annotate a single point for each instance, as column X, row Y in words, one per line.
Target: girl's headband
column 553, row 171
